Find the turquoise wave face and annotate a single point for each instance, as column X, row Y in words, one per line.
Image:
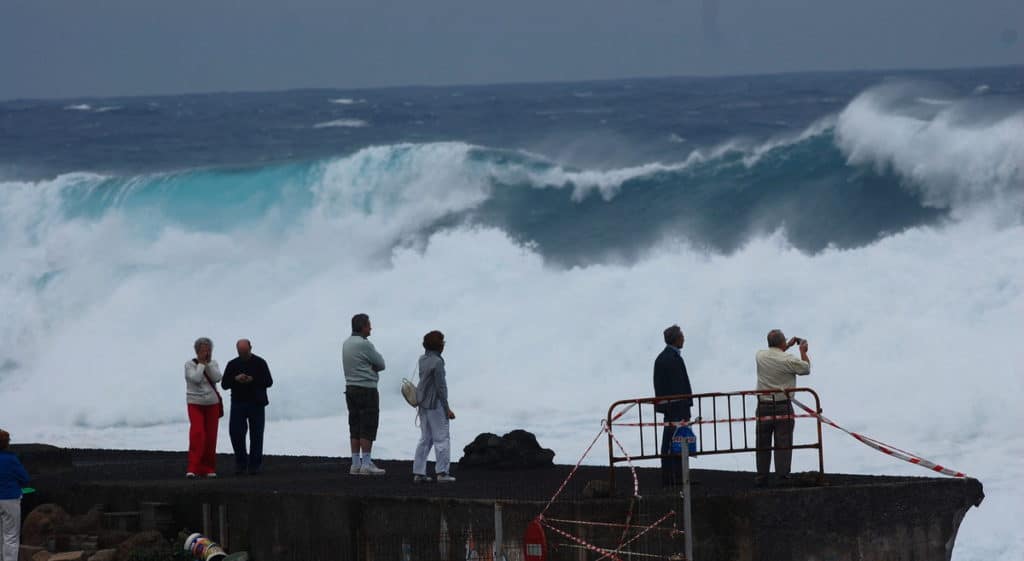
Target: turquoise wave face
column 204, row 199
column 716, row 201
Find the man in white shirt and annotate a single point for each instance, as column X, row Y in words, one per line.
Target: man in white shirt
column 777, row 369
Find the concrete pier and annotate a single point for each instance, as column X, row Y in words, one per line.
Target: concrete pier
column 311, row 509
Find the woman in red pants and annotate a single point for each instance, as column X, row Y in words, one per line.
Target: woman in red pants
column 205, row 409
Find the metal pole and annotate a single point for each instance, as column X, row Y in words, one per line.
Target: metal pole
column 207, row 520
column 611, row 454
column 687, row 521
column 222, row 522
column 499, row 545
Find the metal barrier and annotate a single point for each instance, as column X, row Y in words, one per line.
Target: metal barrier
column 706, row 419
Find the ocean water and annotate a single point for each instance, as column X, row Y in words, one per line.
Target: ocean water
column 551, row 231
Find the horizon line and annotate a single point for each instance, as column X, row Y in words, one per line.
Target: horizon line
column 508, row 83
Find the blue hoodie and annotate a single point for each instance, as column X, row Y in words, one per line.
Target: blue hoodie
column 12, row 476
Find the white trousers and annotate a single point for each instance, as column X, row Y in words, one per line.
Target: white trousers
column 10, row 529
column 433, row 432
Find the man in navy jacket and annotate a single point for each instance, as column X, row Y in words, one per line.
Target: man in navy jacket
column 670, row 378
column 248, row 378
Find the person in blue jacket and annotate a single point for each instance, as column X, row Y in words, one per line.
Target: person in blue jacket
column 12, row 478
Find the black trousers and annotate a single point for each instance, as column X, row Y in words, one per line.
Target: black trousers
column 781, row 431
column 247, row 417
column 671, row 464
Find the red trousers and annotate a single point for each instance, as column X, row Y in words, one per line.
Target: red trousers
column 202, row 438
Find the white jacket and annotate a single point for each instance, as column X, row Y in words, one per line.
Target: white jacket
column 197, row 390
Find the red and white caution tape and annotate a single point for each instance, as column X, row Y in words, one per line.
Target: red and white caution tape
column 636, row 537
column 601, row 524
column 716, row 421
column 629, row 461
column 624, row 411
column 607, row 553
column 604, row 552
column 574, row 469
column 883, row 447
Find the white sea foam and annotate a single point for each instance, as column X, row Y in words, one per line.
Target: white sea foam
column 344, row 123
column 347, row 101
column 87, row 107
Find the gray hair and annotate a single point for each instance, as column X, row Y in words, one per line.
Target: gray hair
column 672, row 334
column 202, row 341
column 776, row 338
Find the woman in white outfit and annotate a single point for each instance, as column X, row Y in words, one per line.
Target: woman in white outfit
column 434, row 412
column 205, row 409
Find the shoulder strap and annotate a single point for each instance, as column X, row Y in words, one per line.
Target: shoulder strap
column 212, row 386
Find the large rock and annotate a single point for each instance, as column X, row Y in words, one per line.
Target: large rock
column 143, row 541
column 515, row 450
column 42, row 523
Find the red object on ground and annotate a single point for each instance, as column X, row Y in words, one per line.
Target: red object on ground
column 202, row 438
column 535, row 544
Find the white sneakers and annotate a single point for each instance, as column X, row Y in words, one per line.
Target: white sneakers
column 441, row 478
column 354, row 470
column 369, row 469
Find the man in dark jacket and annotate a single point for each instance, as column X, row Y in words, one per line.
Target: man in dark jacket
column 670, row 378
column 248, row 378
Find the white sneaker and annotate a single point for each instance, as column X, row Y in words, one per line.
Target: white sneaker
column 420, row 479
column 370, row 469
column 445, row 478
column 354, row 470
column 190, row 475
column 211, row 475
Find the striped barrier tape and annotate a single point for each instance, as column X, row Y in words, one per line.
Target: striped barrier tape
column 717, row 421
column 883, row 447
column 624, row 411
column 604, row 552
column 575, row 468
column 640, row 534
column 629, row 461
column 602, row 524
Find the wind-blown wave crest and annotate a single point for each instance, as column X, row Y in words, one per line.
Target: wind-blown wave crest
column 957, row 154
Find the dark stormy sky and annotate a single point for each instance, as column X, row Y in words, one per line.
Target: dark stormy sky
column 73, row 48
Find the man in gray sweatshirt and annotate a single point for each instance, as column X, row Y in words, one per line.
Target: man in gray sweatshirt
column 362, row 365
